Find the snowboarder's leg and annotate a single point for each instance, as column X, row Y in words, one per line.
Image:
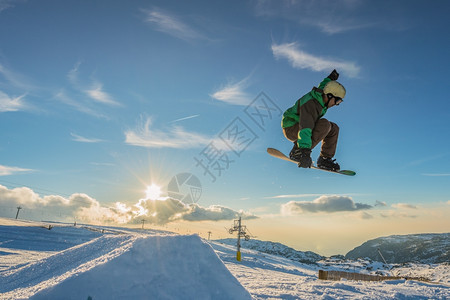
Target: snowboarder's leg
column 291, row 133
column 324, row 130
column 328, row 133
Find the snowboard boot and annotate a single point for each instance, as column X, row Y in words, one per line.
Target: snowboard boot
column 295, row 153
column 302, row 156
column 327, row 163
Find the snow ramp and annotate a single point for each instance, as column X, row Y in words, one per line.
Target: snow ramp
column 155, row 267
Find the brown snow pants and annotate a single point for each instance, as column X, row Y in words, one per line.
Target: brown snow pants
column 324, row 130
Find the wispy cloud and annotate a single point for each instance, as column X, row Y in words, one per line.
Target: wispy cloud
column 72, row 75
column 395, row 215
column 234, row 93
column 78, row 105
column 327, row 204
column 402, row 210
column 345, row 25
column 102, row 164
column 346, row 15
column 183, row 119
column 380, row 203
column 15, row 80
column 97, row 93
column 11, row 104
column 81, row 139
column 404, row 206
column 175, row 137
column 293, row 196
column 436, row 174
column 81, row 94
column 171, row 24
column 6, row 170
column 302, row 60
column 5, row 4
column 13, row 83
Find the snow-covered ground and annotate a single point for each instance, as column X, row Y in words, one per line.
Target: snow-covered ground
column 266, row 276
column 79, row 262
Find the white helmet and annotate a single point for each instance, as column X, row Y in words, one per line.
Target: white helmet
column 335, row 88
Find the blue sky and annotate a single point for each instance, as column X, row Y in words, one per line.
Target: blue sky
column 101, row 99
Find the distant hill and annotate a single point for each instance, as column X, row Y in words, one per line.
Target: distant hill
column 423, row 248
column 276, row 249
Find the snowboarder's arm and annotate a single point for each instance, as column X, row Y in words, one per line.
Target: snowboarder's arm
column 334, row 75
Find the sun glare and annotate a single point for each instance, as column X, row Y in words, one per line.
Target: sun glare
column 153, row 192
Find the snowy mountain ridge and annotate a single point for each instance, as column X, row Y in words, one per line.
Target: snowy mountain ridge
column 432, row 248
column 434, row 272
column 275, row 248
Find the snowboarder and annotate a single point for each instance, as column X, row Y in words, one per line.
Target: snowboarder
column 304, row 124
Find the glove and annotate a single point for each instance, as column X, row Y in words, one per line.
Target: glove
column 304, row 159
column 334, row 75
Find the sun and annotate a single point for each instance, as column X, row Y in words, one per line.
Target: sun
column 153, row 192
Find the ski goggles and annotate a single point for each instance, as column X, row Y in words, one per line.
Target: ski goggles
column 338, row 100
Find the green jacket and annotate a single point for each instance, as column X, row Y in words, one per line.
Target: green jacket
column 306, row 111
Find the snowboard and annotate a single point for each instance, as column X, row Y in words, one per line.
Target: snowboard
column 278, row 154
